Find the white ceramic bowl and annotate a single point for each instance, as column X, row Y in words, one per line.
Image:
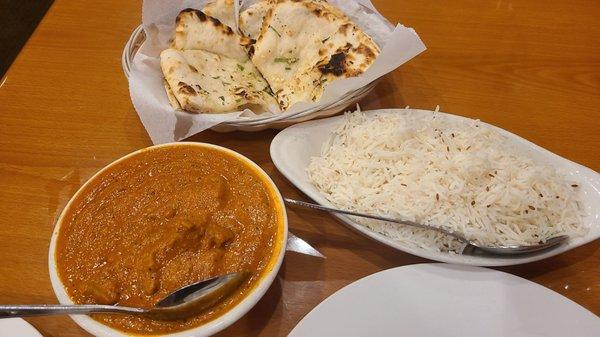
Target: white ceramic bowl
column 98, row 329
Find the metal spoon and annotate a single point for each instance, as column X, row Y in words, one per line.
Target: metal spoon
column 182, row 303
column 470, row 244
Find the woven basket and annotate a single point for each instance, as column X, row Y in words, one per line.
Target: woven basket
column 257, row 123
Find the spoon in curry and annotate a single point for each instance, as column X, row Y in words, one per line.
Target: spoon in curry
column 182, row 303
column 471, row 245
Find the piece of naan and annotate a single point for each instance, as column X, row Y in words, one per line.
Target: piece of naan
column 251, row 19
column 205, row 82
column 171, row 96
column 223, row 10
column 303, row 46
column 195, row 30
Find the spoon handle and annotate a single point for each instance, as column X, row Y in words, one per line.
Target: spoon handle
column 7, row 311
column 376, row 217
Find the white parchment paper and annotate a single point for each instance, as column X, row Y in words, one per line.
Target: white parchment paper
column 399, row 44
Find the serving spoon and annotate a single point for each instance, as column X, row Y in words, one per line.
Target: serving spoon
column 471, row 245
column 184, row 302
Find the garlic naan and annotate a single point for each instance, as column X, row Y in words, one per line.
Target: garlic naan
column 223, row 10
column 171, row 96
column 197, row 31
column 205, row 82
column 304, row 45
column 251, row 19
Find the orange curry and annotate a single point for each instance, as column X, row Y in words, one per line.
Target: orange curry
column 161, row 219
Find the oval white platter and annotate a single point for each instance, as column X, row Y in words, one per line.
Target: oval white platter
column 446, row 300
column 293, row 148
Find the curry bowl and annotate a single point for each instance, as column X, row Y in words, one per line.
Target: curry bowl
column 161, row 218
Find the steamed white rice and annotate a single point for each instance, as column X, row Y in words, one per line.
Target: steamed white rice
column 463, row 176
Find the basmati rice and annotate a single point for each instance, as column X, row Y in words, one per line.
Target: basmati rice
column 462, row 176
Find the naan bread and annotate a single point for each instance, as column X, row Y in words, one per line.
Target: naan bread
column 223, row 10
column 171, row 96
column 331, row 8
column 197, row 31
column 251, row 19
column 205, row 82
column 304, row 45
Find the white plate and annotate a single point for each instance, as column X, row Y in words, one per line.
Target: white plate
column 446, row 300
column 11, row 327
column 293, row 147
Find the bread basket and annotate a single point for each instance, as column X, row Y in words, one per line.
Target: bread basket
column 256, row 123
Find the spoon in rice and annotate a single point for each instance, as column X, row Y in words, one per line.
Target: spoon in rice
column 471, row 245
column 182, row 303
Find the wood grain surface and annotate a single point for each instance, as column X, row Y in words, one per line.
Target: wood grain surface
column 531, row 67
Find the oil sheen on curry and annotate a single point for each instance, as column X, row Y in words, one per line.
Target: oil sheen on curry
column 162, row 219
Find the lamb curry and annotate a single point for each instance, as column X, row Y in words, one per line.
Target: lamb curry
column 161, row 219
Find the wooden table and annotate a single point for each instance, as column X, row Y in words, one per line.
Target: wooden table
column 531, row 67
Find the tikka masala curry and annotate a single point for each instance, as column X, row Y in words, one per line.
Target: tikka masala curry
column 161, row 219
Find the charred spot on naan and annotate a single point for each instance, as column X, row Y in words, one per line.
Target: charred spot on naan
column 217, row 23
column 345, row 27
column 318, row 8
column 222, row 10
column 190, row 11
column 171, row 69
column 248, row 44
column 367, row 51
column 336, row 65
column 187, row 89
column 251, row 50
column 241, row 92
column 203, row 17
column 318, row 12
column 343, row 61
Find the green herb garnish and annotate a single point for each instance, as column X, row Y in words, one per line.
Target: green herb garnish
column 216, row 77
column 325, row 40
column 275, row 30
column 288, row 60
column 240, row 67
column 222, row 99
